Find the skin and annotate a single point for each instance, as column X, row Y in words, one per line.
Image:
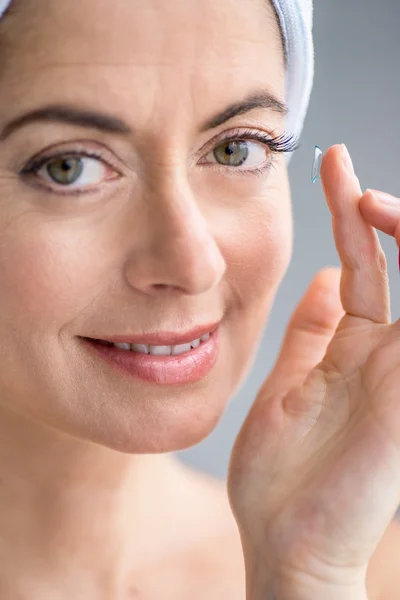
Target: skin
column 313, row 476
column 85, row 451
column 167, row 243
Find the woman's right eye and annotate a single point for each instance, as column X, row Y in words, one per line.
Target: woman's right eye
column 71, row 171
column 235, row 153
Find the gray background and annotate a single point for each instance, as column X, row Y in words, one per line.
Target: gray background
column 355, row 100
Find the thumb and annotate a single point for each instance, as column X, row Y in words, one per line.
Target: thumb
column 309, row 332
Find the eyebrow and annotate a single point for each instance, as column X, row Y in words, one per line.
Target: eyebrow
column 67, row 114
column 261, row 99
column 111, row 124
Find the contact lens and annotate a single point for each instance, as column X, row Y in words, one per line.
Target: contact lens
column 316, row 168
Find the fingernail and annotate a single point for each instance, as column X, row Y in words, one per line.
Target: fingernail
column 385, row 198
column 348, row 163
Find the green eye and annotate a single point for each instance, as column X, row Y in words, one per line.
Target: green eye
column 232, row 154
column 65, row 170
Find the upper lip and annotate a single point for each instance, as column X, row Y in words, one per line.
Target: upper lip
column 163, row 338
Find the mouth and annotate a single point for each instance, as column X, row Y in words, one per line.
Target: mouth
column 155, row 350
column 173, row 365
column 160, row 343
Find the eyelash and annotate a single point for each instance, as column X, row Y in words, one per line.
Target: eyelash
column 283, row 143
column 35, row 164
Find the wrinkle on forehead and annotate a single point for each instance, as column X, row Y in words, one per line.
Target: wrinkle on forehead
column 166, row 28
column 183, row 54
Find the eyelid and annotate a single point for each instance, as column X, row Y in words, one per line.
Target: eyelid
column 86, row 148
column 81, row 148
column 35, row 164
column 256, row 136
column 236, row 133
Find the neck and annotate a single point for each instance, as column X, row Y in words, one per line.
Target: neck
column 68, row 506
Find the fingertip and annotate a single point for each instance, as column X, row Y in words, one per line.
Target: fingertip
column 321, row 308
column 384, row 218
column 325, row 291
column 385, row 199
column 329, row 275
column 333, row 153
column 368, row 200
column 369, row 192
column 332, row 165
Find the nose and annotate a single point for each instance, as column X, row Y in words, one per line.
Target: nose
column 178, row 250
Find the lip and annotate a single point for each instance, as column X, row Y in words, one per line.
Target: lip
column 189, row 367
column 162, row 338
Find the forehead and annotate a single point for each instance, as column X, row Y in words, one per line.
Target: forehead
column 144, row 51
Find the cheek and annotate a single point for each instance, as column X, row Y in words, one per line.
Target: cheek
column 258, row 261
column 52, row 270
column 46, row 272
column 262, row 250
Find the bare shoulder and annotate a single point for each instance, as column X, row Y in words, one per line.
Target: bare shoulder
column 210, row 564
column 218, row 568
column 211, row 570
column 217, row 564
column 383, row 576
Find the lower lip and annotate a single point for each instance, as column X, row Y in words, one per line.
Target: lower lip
column 189, row 367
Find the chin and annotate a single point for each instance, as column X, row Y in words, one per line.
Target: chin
column 177, row 431
column 148, row 427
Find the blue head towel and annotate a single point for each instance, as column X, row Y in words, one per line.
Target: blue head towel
column 296, row 21
column 295, row 18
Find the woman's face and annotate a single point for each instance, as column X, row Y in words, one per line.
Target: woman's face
column 165, row 228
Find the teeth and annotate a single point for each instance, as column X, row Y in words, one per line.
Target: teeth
column 123, row 346
column 143, row 348
column 180, row 349
column 159, row 350
column 163, row 350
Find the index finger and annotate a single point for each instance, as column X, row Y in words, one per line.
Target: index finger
column 364, row 284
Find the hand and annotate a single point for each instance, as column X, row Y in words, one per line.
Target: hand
column 314, row 475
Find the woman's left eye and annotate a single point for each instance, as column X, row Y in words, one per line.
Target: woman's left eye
column 72, row 171
column 235, row 153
